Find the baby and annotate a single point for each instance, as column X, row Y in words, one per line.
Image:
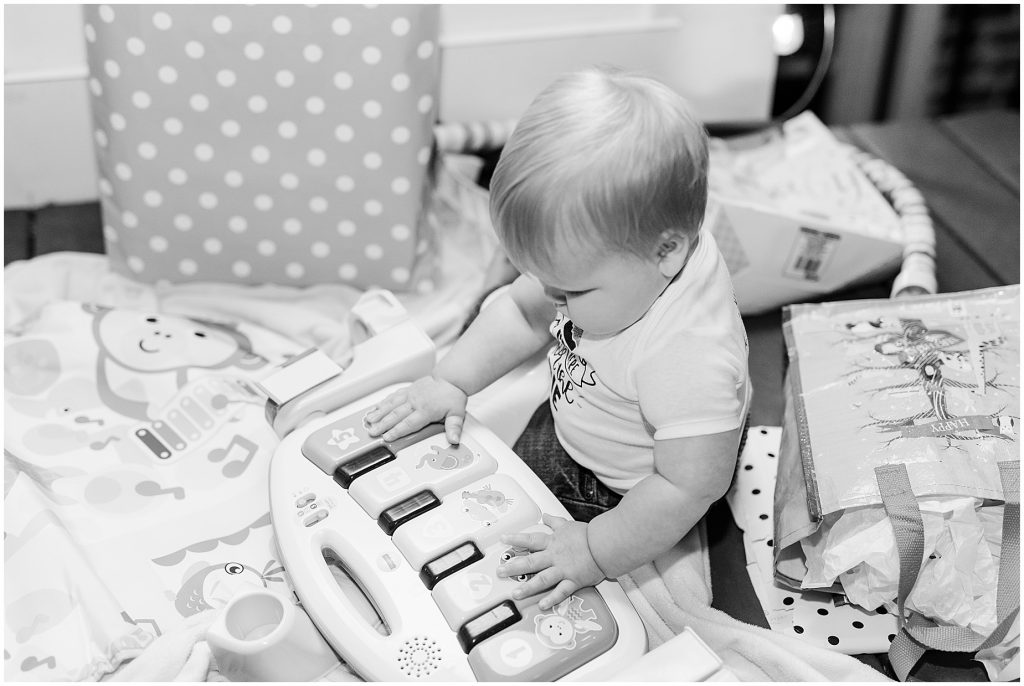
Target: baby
column 598, row 200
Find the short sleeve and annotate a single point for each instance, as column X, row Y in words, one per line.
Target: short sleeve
column 691, row 386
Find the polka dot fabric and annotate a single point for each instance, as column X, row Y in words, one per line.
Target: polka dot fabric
column 284, row 144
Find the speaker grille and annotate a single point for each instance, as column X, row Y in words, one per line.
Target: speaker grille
column 419, row 656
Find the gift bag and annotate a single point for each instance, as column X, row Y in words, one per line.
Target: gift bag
column 286, row 144
column 898, row 483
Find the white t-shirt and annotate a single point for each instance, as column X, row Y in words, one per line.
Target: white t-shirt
column 680, row 371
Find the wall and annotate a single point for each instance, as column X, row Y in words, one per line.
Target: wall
column 494, row 57
column 47, row 132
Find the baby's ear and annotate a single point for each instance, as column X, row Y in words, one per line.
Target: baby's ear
column 673, row 249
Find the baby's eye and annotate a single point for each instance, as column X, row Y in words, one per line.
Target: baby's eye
column 576, row 294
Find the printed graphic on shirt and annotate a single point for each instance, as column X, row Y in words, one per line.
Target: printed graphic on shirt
column 570, row 373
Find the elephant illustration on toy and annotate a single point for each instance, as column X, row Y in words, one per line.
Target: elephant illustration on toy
column 447, row 459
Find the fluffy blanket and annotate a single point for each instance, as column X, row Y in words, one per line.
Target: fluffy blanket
column 674, row 592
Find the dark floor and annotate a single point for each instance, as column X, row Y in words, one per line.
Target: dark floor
column 52, row 228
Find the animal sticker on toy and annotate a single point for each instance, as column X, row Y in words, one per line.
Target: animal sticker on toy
column 447, row 458
column 485, row 505
column 567, row 620
column 511, row 553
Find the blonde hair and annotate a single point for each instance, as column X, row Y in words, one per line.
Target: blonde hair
column 602, row 160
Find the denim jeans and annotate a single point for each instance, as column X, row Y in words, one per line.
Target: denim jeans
column 576, row 487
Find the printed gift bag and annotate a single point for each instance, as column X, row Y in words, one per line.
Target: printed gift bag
column 285, row 144
column 898, row 482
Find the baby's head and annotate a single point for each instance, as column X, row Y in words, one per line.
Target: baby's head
column 602, row 162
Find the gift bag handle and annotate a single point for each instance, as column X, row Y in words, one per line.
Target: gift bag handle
column 920, row 633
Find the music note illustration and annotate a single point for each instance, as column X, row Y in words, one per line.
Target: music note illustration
column 152, row 488
column 137, row 622
column 82, row 419
column 100, row 445
column 237, row 467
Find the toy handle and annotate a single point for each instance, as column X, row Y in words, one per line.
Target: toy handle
column 344, row 618
column 366, row 580
column 389, row 348
column 403, row 353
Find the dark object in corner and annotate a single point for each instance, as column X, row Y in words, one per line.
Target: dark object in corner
column 52, row 228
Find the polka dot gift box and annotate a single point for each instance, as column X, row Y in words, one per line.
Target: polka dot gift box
column 285, row 144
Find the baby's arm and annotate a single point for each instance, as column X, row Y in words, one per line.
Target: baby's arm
column 503, row 335
column 690, row 474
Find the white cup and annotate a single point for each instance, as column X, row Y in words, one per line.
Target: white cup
column 259, row 636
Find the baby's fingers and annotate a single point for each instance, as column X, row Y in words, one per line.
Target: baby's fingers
column 564, row 589
column 390, row 420
column 534, row 541
column 553, row 521
column 453, row 428
column 524, row 564
column 389, row 403
column 412, row 421
column 542, row 581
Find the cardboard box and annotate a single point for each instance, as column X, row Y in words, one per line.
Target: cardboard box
column 796, row 218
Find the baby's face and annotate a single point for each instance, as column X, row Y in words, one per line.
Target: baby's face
column 605, row 294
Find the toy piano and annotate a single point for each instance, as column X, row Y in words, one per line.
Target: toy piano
column 392, row 546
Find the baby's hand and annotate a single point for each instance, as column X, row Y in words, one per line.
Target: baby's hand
column 413, row 407
column 560, row 559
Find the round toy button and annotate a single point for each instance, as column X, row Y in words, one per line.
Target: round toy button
column 478, row 585
column 438, row 527
column 515, row 652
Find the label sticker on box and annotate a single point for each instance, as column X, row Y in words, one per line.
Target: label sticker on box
column 810, row 254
